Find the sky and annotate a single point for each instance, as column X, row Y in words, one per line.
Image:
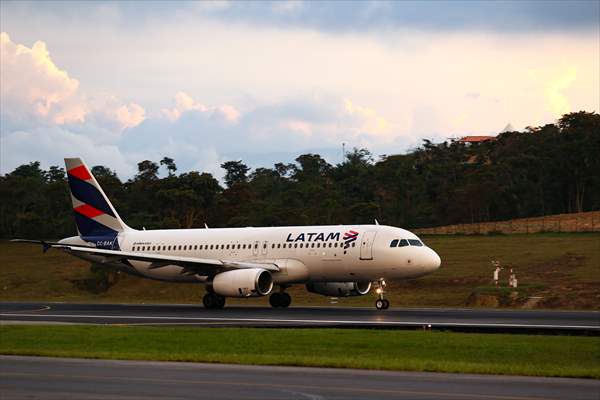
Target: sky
column 206, row 82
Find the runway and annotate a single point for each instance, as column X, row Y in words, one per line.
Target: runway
column 581, row 322
column 57, row 378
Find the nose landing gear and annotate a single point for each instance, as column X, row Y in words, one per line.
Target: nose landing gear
column 381, row 303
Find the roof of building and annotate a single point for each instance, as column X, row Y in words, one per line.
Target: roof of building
column 476, row 139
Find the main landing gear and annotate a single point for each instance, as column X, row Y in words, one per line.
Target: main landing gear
column 280, row 299
column 381, row 303
column 213, row 301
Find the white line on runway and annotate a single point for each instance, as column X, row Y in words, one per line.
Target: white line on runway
column 309, row 321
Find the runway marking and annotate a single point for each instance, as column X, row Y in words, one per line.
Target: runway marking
column 279, row 386
column 44, row 308
column 307, row 321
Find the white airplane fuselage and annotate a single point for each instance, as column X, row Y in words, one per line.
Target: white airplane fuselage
column 303, row 253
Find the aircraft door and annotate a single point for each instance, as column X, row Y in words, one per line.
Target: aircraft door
column 366, row 245
column 265, row 248
column 255, row 248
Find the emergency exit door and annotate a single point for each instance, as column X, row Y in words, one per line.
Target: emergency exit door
column 366, row 245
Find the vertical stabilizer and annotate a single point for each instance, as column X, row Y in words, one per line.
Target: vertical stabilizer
column 95, row 216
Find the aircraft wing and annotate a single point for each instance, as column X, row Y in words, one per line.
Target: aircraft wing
column 190, row 265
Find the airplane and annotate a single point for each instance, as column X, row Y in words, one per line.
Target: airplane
column 334, row 261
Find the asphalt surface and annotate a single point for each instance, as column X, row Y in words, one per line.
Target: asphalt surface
column 57, row 378
column 587, row 322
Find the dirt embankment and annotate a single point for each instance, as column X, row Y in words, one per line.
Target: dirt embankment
column 578, row 222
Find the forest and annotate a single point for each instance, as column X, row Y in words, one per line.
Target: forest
column 543, row 170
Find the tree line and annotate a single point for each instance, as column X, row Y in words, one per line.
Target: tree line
column 543, row 170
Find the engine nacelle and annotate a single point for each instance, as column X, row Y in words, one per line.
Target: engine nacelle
column 339, row 289
column 250, row 282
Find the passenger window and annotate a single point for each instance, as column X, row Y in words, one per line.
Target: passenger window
column 256, row 245
column 239, row 246
column 301, row 245
column 285, row 245
column 227, row 247
column 414, row 242
column 295, row 245
column 403, row 243
column 394, row 243
column 318, row 244
column 353, row 244
column 278, row 245
column 273, row 246
column 264, row 245
column 312, row 245
column 335, row 244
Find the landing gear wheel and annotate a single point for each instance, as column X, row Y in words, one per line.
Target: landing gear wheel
column 381, row 303
column 213, row 301
column 275, row 299
column 286, row 300
column 280, row 299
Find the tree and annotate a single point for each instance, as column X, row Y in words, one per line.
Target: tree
column 235, row 172
column 170, row 164
column 147, row 171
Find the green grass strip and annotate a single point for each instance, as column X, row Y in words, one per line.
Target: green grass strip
column 565, row 356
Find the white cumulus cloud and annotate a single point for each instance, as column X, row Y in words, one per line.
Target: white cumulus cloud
column 34, row 91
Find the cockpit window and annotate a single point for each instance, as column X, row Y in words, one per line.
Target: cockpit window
column 415, row 242
column 394, row 243
column 403, row 243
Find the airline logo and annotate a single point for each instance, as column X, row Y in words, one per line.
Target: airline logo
column 93, row 214
column 350, row 237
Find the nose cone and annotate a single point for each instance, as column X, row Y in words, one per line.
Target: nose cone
column 432, row 260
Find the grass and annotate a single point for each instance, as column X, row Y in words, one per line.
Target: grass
column 564, row 268
column 560, row 356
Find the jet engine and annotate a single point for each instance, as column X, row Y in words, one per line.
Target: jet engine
column 252, row 282
column 339, row 289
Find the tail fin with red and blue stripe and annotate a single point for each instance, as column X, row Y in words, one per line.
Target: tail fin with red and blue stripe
column 96, row 218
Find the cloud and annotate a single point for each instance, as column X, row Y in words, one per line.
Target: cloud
column 557, row 101
column 32, row 86
column 370, row 121
column 50, row 145
column 34, row 91
column 184, row 103
column 287, row 6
